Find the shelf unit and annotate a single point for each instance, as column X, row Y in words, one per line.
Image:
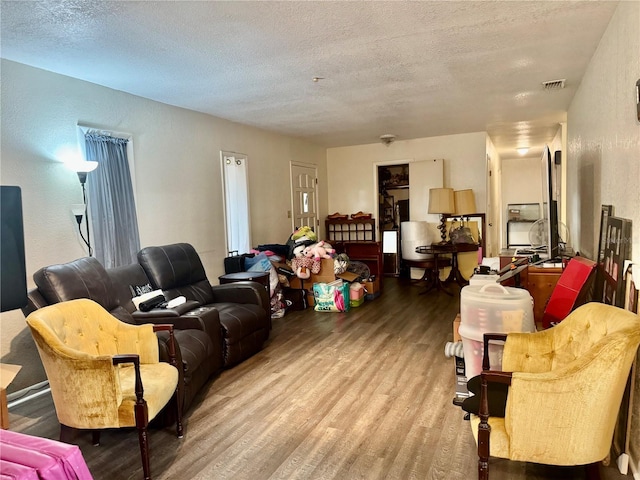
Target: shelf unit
column 350, row 230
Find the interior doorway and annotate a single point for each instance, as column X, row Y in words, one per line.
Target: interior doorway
column 393, row 209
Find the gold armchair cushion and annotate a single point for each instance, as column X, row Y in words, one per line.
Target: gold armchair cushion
column 76, row 341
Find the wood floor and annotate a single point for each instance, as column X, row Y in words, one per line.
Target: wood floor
column 361, row 395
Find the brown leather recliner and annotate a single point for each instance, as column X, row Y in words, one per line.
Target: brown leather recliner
column 243, row 306
column 196, row 351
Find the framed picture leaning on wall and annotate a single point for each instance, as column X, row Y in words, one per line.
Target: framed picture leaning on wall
column 617, row 249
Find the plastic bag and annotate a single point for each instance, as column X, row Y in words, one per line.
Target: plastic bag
column 331, row 297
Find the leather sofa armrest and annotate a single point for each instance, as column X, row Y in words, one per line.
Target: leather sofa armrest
column 35, row 300
column 242, row 292
column 160, row 316
column 206, row 319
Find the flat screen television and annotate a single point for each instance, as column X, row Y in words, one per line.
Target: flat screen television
column 13, row 277
column 550, row 205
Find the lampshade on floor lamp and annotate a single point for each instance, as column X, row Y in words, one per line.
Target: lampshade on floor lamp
column 442, row 202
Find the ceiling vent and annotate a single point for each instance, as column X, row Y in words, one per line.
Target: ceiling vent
column 553, row 84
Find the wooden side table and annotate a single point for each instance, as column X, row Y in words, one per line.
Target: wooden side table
column 260, row 277
column 452, row 249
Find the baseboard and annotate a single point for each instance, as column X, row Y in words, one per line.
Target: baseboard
column 623, row 463
column 27, row 394
column 634, row 464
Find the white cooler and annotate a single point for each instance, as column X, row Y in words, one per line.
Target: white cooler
column 491, row 308
column 478, row 279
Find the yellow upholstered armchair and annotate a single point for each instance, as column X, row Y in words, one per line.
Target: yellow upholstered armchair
column 565, row 389
column 103, row 373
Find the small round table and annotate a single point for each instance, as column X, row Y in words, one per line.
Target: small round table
column 260, row 277
column 436, row 249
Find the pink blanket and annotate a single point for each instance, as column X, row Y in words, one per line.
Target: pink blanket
column 25, row 457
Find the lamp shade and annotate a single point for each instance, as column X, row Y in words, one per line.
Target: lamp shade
column 465, row 202
column 82, row 166
column 441, row 200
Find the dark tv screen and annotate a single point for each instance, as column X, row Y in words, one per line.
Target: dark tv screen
column 13, row 276
column 550, row 205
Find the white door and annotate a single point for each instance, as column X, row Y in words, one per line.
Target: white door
column 304, row 184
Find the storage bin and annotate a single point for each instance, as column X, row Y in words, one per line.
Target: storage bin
column 491, row 308
column 356, row 303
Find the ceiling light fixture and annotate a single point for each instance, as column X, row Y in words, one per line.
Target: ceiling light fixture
column 387, row 139
column 522, row 151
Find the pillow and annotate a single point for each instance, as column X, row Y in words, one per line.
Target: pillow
column 137, row 290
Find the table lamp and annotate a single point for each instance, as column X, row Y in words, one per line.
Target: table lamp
column 442, row 201
column 465, row 202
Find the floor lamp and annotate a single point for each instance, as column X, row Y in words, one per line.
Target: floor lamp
column 441, row 201
column 80, row 211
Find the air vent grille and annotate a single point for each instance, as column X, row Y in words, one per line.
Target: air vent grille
column 553, row 84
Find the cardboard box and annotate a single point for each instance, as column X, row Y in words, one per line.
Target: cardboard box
column 325, row 275
column 372, row 289
column 456, row 326
column 7, row 374
column 348, row 276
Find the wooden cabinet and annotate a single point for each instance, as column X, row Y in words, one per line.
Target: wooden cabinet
column 369, row 253
column 539, row 281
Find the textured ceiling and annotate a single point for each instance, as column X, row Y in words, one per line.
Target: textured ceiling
column 413, row 69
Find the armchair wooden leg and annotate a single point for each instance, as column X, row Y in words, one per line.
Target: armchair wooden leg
column 141, row 424
column 66, row 433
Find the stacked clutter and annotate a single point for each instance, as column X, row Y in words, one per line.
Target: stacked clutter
column 491, row 308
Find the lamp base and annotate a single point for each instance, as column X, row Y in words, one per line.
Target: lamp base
column 443, row 228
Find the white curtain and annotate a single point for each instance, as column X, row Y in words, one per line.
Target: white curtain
column 112, row 209
column 236, row 193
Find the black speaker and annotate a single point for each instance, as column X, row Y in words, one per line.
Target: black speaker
column 557, row 157
column 13, row 275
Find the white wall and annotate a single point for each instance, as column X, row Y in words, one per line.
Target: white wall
column 603, row 159
column 604, row 134
column 177, row 175
column 351, row 173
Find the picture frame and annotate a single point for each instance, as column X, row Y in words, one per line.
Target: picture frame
column 606, row 211
column 617, row 249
